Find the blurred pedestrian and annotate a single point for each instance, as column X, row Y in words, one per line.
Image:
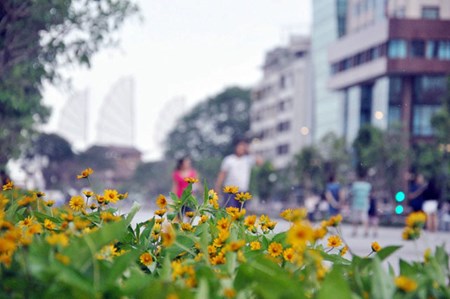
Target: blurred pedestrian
column 236, row 169
column 182, row 171
column 333, row 194
column 360, row 192
column 415, row 195
column 373, row 215
column 431, row 196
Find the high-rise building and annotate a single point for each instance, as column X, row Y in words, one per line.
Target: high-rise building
column 281, row 110
column 392, row 63
column 329, row 23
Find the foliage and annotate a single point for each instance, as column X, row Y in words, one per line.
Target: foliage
column 36, row 39
column 263, row 180
column 208, row 130
column 383, row 153
column 152, row 178
column 310, row 168
column 210, row 252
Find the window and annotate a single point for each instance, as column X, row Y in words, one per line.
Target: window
column 397, row 48
column 283, row 126
column 432, row 49
column 429, row 89
column 422, row 115
column 394, row 115
column 282, row 82
column 444, row 50
column 430, row 12
column 395, row 90
column 282, row 149
column 417, row 48
column 366, row 104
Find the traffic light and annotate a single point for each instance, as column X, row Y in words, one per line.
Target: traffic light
column 399, row 197
column 399, row 209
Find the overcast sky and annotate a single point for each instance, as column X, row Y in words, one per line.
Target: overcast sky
column 187, row 48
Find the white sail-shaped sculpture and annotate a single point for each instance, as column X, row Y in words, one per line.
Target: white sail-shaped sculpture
column 116, row 117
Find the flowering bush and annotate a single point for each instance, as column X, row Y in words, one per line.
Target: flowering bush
column 87, row 250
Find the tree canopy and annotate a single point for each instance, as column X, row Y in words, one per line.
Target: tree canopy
column 209, row 128
column 36, row 39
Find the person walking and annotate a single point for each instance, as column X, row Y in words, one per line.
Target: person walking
column 333, row 194
column 373, row 215
column 182, row 171
column 431, row 196
column 236, row 168
column 360, row 192
column 415, row 194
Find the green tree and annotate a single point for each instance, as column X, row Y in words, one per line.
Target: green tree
column 310, row 168
column 36, row 39
column 208, row 129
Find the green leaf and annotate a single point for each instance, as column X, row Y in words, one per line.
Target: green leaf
column 387, row 251
column 382, row 283
column 203, row 290
column 335, row 286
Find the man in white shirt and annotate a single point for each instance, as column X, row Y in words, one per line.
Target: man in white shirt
column 236, row 169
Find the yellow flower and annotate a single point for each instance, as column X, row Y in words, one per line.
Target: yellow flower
column 160, row 212
column 334, row 241
column 85, row 173
column 203, row 219
column 49, row 203
column 58, row 239
column 375, row 247
column 28, row 221
column 235, row 213
column 88, row 193
column 7, row 245
column 190, row 214
column 275, row 249
column 218, row 259
column 81, row 224
column 266, row 223
column 250, row 220
column 108, row 217
column 255, row 245
column 230, row 189
column 223, row 224
column 111, row 195
column 146, row 259
column 405, row 284
column 93, row 206
column 8, row 186
column 48, row 224
column 161, row 201
column 213, row 198
column 229, row 293
column 294, row 215
column 243, row 196
column 320, row 232
column 64, row 259
column 26, row 201
column 76, row 203
column 410, row 233
column 35, row 228
column 300, row 234
column 344, row 250
column 236, row 245
column 289, row 254
column 186, row 227
column 190, row 180
column 168, row 237
column 39, row 194
column 335, row 220
column 416, row 220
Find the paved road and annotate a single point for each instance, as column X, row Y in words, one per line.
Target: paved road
column 360, row 245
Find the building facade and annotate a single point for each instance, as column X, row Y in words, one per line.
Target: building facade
column 281, row 111
column 391, row 65
column 329, row 23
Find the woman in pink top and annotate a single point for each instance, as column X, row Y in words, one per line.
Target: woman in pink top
column 183, row 170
